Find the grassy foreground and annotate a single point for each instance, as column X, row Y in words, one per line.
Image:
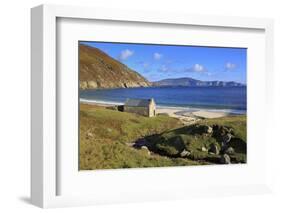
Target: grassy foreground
column 107, row 139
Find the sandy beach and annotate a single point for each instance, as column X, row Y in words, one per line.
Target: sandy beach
column 187, row 116
column 190, row 117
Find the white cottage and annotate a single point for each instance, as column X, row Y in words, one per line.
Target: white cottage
column 145, row 107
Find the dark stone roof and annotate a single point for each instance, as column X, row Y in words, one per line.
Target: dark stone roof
column 138, row 102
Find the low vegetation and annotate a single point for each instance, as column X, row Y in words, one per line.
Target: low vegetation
column 206, row 141
column 111, row 139
column 107, row 138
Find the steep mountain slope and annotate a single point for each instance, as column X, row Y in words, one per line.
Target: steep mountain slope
column 99, row 70
column 195, row 83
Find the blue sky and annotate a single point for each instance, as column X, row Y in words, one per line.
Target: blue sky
column 156, row 62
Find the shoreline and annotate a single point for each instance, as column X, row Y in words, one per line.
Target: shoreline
column 185, row 114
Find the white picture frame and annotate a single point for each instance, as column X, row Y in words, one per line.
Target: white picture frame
column 45, row 171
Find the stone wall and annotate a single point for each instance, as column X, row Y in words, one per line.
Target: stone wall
column 137, row 110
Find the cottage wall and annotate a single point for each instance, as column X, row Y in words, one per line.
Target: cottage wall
column 152, row 109
column 138, row 110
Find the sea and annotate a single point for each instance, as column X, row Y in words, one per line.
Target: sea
column 222, row 99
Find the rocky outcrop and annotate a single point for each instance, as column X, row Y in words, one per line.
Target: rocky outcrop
column 99, row 70
column 211, row 143
column 200, row 129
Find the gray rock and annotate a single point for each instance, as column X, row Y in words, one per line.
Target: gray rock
column 204, row 149
column 225, row 159
column 209, row 130
column 184, row 153
column 145, row 149
column 226, row 138
column 229, row 151
column 214, row 149
column 92, row 84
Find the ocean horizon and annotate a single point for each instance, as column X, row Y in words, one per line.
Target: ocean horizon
column 219, row 99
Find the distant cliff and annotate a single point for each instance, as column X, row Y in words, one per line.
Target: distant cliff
column 195, row 83
column 99, row 70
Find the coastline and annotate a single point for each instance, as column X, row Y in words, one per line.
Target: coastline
column 185, row 114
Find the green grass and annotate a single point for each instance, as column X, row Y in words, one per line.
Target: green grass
column 238, row 123
column 112, row 133
column 107, row 136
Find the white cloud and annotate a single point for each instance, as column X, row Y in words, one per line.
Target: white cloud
column 157, row 56
column 198, row 68
column 125, row 54
column 164, row 68
column 230, row 66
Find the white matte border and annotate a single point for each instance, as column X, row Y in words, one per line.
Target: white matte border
column 44, row 163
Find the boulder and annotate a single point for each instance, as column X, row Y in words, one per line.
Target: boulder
column 230, row 151
column 214, row 148
column 204, row 149
column 83, row 84
column 225, row 159
column 92, row 84
column 209, row 130
column 184, row 153
column 226, row 138
column 145, row 149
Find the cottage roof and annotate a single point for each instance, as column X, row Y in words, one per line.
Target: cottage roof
column 138, row 102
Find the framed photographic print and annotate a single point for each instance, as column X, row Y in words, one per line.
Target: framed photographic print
column 130, row 106
column 173, row 111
